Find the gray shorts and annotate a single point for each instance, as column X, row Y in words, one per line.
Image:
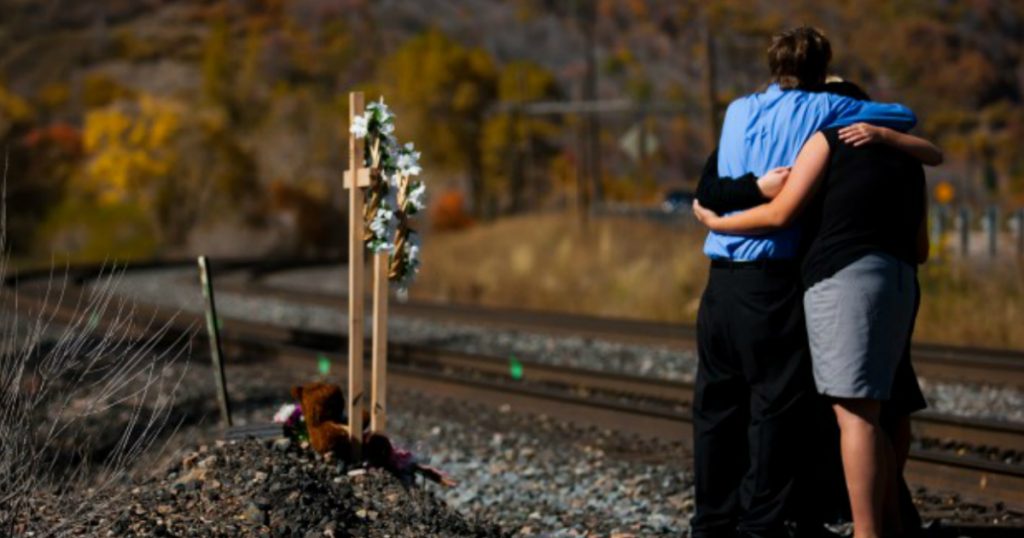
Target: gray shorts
column 858, row 323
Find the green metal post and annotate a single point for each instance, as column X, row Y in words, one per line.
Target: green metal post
column 206, row 280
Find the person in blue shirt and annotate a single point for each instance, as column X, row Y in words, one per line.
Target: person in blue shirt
column 754, row 383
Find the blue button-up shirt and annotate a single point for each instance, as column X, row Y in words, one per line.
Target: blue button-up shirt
column 766, row 130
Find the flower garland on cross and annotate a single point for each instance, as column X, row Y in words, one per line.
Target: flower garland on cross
column 394, row 195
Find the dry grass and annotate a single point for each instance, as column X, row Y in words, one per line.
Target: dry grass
column 613, row 267
column 631, row 268
column 980, row 304
column 78, row 412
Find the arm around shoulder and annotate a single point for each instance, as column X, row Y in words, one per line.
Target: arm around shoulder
column 846, row 110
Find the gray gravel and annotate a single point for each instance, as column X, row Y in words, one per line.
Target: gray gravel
column 530, row 474
column 535, row 475
column 168, row 288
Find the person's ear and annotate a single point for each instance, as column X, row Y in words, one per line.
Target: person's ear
column 297, row 393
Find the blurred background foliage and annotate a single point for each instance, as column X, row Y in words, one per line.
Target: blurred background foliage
column 160, row 128
column 199, row 119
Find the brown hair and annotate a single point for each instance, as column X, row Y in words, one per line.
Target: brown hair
column 799, row 58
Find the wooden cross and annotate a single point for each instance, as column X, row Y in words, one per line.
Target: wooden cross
column 378, row 407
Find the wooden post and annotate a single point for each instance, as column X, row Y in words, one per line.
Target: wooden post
column 378, row 397
column 206, row 281
column 356, row 178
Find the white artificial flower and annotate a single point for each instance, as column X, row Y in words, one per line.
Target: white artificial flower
column 415, row 197
column 380, row 111
column 387, row 128
column 380, row 223
column 414, row 255
column 394, row 181
column 284, row 413
column 381, row 246
column 410, row 148
column 408, row 163
column 359, row 126
column 409, row 160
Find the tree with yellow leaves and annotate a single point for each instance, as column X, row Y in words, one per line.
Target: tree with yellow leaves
column 174, row 163
column 130, row 148
column 443, row 91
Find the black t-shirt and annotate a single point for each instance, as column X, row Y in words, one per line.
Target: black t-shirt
column 870, row 200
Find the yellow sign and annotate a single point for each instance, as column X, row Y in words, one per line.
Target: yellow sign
column 944, row 192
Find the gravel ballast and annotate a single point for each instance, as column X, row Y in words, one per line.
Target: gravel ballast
column 170, row 288
column 274, row 488
column 519, row 474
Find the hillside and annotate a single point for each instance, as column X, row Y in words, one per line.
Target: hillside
column 144, row 127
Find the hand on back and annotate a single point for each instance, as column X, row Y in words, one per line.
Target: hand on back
column 860, row 134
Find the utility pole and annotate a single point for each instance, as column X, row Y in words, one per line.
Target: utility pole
column 709, row 73
column 589, row 21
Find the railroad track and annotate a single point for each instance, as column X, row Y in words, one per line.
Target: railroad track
column 934, row 361
column 636, row 405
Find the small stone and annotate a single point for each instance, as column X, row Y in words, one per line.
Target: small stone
column 188, row 461
column 282, row 444
column 254, row 514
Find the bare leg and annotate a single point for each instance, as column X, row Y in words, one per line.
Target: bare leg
column 864, row 462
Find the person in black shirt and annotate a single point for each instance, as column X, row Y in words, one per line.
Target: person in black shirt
column 866, row 203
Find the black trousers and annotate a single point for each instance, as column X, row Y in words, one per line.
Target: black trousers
column 752, row 401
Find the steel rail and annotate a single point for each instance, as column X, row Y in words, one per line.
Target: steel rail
column 935, row 361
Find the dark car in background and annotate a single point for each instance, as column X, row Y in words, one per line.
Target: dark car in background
column 677, row 200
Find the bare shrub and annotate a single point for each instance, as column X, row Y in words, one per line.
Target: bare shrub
column 79, row 402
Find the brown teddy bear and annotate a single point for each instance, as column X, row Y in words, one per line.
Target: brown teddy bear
column 323, row 406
